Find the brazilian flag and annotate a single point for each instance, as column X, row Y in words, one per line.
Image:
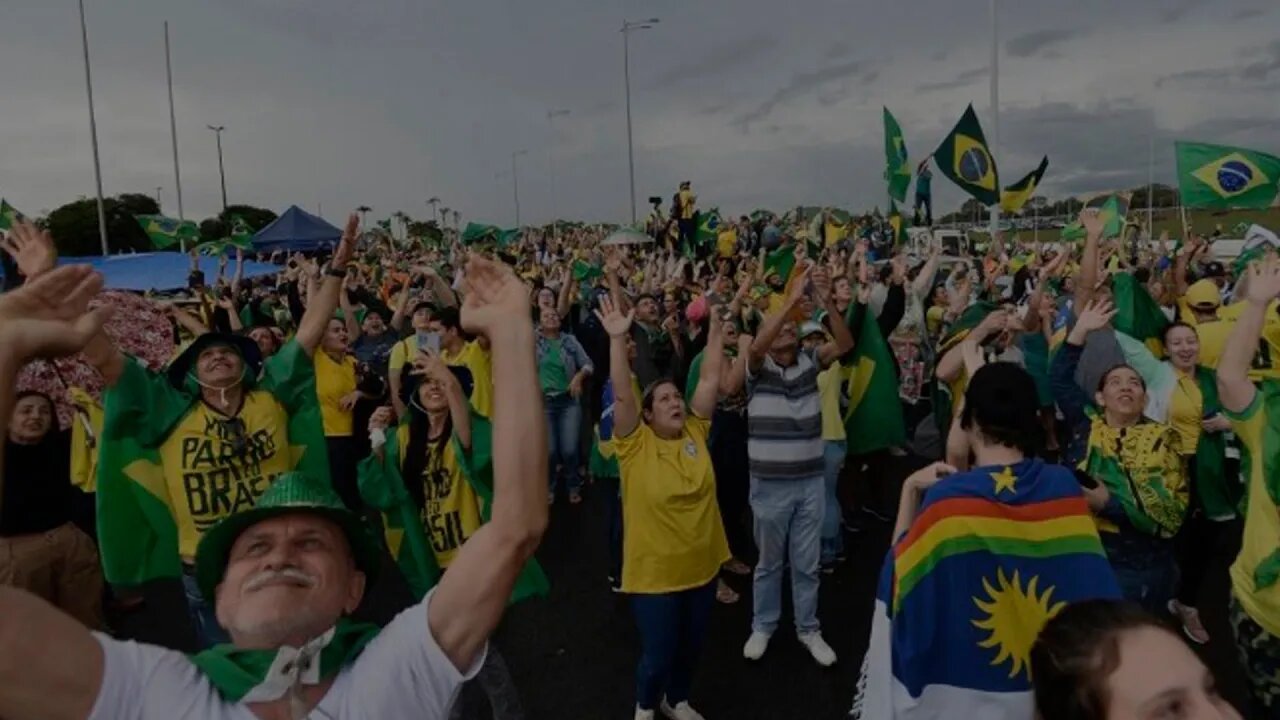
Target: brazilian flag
column 1016, row 195
column 898, row 225
column 8, row 215
column 897, row 171
column 166, row 232
column 963, row 156
column 1113, row 210
column 873, row 415
column 479, row 232
column 1219, row 176
column 708, row 230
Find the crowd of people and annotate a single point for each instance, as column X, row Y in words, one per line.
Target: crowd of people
column 1092, row 423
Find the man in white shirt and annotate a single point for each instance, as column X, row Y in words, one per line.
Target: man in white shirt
column 285, row 577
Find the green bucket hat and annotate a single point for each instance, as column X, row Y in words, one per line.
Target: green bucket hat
column 292, row 492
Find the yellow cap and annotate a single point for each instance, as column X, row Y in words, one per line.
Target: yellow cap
column 1203, row 293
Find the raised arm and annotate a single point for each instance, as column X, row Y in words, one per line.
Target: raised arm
column 470, row 599
column 1234, row 388
column 952, row 361
column 841, row 341
column 625, row 413
column 322, row 302
column 703, row 402
column 428, row 363
column 1087, row 280
column 924, row 279
column 397, row 318
column 773, row 323
column 348, row 315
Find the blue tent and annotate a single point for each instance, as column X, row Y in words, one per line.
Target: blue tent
column 160, row 270
column 296, row 230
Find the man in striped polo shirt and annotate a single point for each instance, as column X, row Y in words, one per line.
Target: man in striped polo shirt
column 785, row 448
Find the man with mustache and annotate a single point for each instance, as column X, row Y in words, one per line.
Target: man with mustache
column 287, row 573
column 211, row 434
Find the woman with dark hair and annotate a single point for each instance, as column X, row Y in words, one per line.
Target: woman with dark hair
column 1108, row 660
column 673, row 537
column 1131, row 466
column 41, row 549
column 1184, row 394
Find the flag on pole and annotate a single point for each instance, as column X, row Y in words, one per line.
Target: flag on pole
column 1113, row 210
column 897, row 171
column 1016, row 195
column 240, row 236
column 899, row 226
column 964, row 158
column 8, row 215
column 993, row 555
column 873, row 416
column 1220, row 176
column 165, row 232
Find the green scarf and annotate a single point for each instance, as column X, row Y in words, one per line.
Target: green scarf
column 265, row 675
column 1218, row 497
column 1140, row 467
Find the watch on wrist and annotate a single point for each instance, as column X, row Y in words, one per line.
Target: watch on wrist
column 336, row 272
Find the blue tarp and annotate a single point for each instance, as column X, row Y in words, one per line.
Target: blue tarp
column 297, row 230
column 161, row 270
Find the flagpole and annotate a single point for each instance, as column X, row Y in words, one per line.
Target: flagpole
column 1151, row 183
column 995, row 111
column 93, row 133
column 173, row 123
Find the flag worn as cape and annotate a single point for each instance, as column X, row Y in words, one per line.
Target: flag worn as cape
column 964, row 157
column 897, row 170
column 383, row 487
column 1016, row 195
column 138, row 536
column 873, row 418
column 993, row 555
column 1220, row 176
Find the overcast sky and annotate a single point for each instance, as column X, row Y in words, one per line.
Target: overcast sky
column 332, row 103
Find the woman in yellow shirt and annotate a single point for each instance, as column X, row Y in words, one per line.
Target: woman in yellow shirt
column 673, row 538
column 337, row 393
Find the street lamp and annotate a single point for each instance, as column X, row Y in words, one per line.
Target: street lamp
column 551, row 157
column 217, row 130
column 515, row 183
column 93, row 133
column 628, row 27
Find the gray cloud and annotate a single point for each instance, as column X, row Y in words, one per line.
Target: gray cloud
column 1247, row 13
column 801, row 84
column 964, row 79
column 1248, row 73
column 722, row 58
column 1178, row 11
column 1038, row 41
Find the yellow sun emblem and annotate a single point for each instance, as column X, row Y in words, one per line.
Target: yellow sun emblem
column 1004, row 480
column 1014, row 618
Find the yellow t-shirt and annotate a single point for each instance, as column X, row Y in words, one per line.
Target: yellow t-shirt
column 451, row 513
column 1213, row 336
column 726, row 242
column 1261, row 521
column 933, row 318
column 215, row 465
column 686, row 204
column 1213, row 339
column 829, row 382
column 334, row 381
column 402, row 353
column 476, row 359
column 1186, row 410
column 673, row 537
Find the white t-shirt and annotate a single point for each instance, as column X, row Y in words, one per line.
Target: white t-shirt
column 402, row 673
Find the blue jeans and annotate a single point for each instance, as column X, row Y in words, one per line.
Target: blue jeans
column 564, row 423
column 1146, row 568
column 788, row 515
column 672, row 629
column 832, row 541
column 203, row 618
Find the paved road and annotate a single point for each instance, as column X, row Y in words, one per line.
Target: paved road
column 573, row 653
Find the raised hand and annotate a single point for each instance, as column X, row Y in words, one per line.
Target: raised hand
column 1263, row 283
column 48, row 316
column 381, row 418
column 821, row 279
column 31, row 248
column 495, row 297
column 613, row 321
column 1096, row 315
column 347, row 245
column 1092, row 221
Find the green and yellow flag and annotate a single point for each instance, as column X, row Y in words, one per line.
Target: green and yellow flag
column 139, row 471
column 873, row 411
column 8, row 215
column 898, row 224
column 165, row 232
column 382, row 487
column 1219, row 176
column 897, row 170
column 1113, row 210
column 781, row 262
column 479, row 232
column 240, row 236
column 963, row 156
column 1016, row 195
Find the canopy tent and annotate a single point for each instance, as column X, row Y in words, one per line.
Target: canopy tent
column 160, row 270
column 296, row 230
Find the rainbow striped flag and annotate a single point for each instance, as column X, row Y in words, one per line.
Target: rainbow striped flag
column 993, row 555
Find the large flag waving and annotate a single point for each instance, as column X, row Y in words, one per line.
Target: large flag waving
column 165, row 231
column 963, row 156
column 993, row 555
column 1016, row 195
column 873, row 418
column 897, row 171
column 1219, row 176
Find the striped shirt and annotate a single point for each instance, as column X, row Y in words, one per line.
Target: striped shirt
column 784, row 420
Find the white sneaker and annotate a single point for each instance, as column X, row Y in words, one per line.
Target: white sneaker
column 818, row 648
column 756, row 645
column 643, row 714
column 682, row 711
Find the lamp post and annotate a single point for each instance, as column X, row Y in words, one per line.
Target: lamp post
column 222, row 175
column 628, row 27
column 93, row 133
column 551, row 160
column 515, row 183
